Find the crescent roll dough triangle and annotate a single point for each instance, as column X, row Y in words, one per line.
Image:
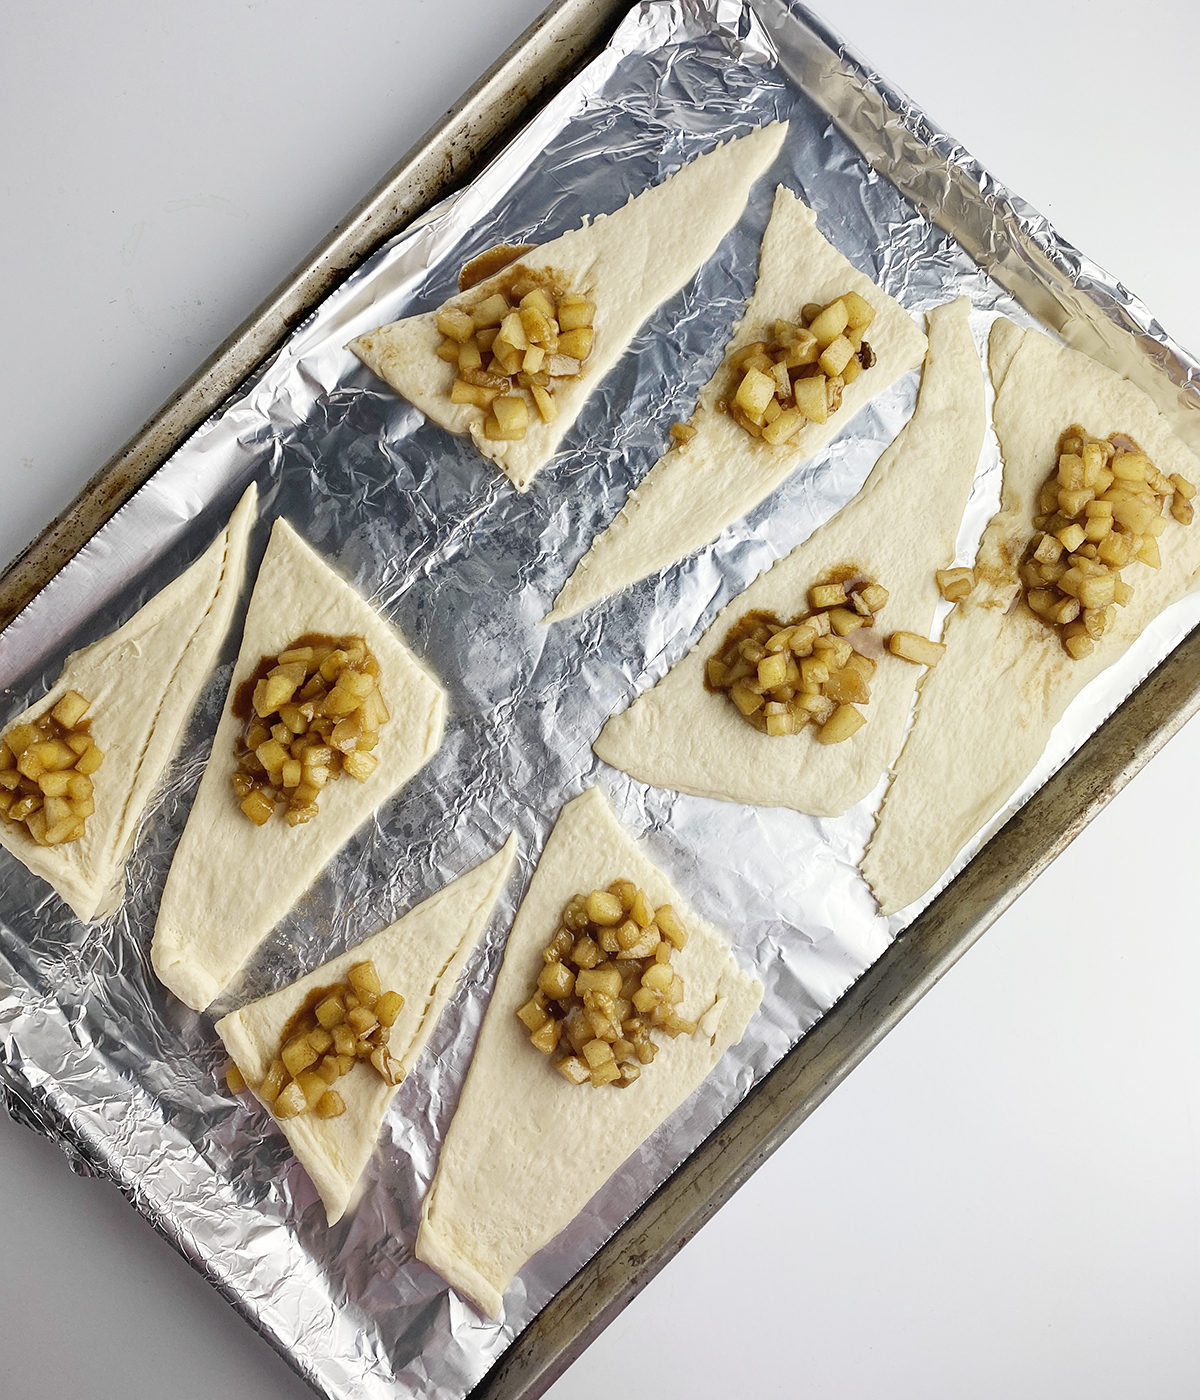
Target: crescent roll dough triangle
column 526, row 1150
column 626, row 263
column 142, row 681
column 897, row 531
column 984, row 715
column 691, row 493
column 230, row 881
column 420, row 956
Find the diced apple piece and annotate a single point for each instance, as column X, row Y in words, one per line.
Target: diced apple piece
column 1071, row 503
column 802, row 349
column 843, row 621
column 604, row 908
column 507, row 356
column 89, row 760
column 1071, row 537
column 1133, row 512
column 1149, row 553
column 575, row 312
column 55, row 784
column 826, row 595
column 546, row 406
column 1096, row 591
column 956, row 584
column 539, row 327
column 1130, row 466
column 330, row 1105
column 848, row 687
column 291, row 1101
column 457, row 325
column 547, row 1036
column 490, row 312
column 1070, row 471
column 1077, row 641
column 470, row 356
column 512, row 332
column 576, row 343
column 772, row 670
column 811, row 398
column 875, row 596
column 755, row 392
column 539, row 300
column 1115, row 550
column 844, row 722
column 814, row 671
column 910, row 646
column 462, row 392
column 20, row 736
column 836, row 356
column 574, row 1070
column 70, row 709
column 272, row 692
column 784, row 427
column 512, row 414
column 829, row 324
column 54, row 755
column 360, row 765
column 859, row 312
column 257, row 807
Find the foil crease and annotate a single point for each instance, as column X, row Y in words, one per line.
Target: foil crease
column 96, row 1055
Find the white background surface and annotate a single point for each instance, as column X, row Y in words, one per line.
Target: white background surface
column 1005, row 1198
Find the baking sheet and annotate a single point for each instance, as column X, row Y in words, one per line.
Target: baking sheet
column 96, row 1053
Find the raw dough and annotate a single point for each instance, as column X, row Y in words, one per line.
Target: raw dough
column 897, row 531
column 690, row 494
column 626, row 262
column 142, row 680
column 985, row 714
column 526, row 1150
column 231, row 882
column 420, row 956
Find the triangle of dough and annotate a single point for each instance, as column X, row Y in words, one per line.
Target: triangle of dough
column 896, row 531
column 626, row 262
column 420, row 956
column 525, row 1150
column 985, row 713
column 142, row 680
column 692, row 492
column 231, row 882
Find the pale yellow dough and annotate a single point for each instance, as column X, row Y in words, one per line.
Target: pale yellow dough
column 691, row 494
column 142, row 680
column 420, row 956
column 985, row 714
column 897, row 531
column 626, row 262
column 526, row 1150
column 230, row 881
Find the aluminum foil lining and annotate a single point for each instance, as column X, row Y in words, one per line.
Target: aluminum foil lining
column 94, row 1052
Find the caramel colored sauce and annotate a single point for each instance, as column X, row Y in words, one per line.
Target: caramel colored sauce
column 488, row 263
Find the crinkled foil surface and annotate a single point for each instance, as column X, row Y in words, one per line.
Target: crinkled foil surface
column 93, row 1051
